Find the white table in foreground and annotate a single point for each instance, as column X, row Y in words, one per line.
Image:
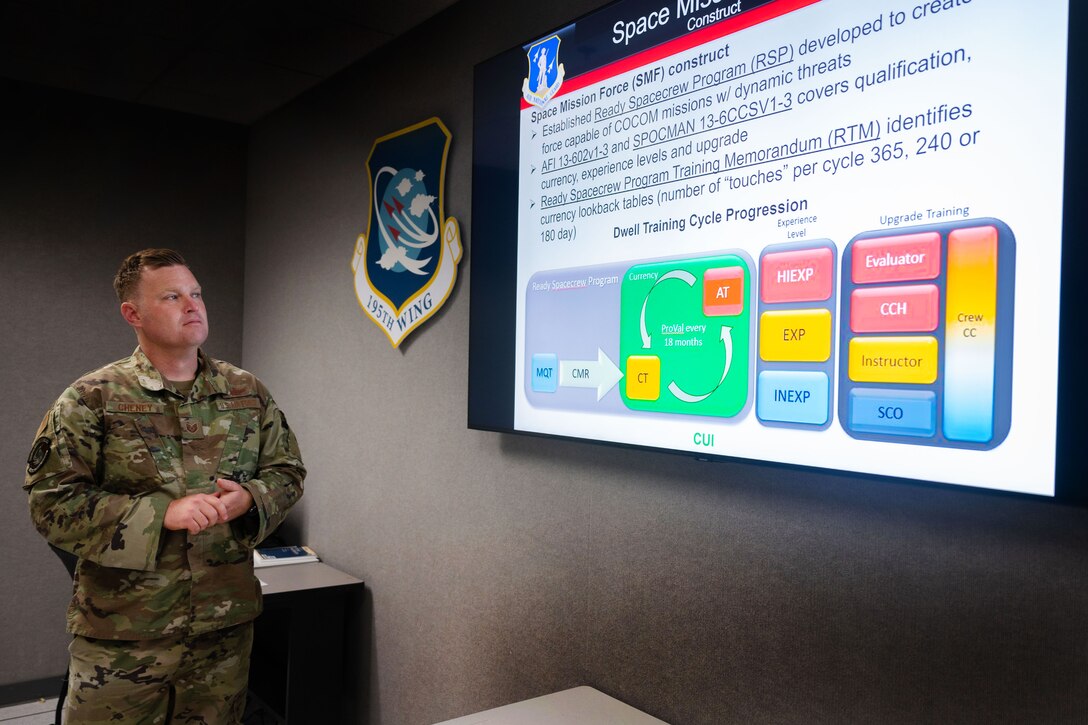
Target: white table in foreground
column 577, row 706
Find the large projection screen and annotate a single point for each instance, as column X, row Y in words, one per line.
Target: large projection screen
column 821, row 233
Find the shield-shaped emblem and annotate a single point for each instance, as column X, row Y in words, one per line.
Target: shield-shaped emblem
column 405, row 265
column 545, row 71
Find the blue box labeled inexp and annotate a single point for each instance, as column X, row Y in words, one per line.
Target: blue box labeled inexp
column 792, row 396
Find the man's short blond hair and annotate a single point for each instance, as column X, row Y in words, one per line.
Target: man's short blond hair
column 127, row 279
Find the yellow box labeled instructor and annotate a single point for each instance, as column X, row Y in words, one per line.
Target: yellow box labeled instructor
column 894, row 359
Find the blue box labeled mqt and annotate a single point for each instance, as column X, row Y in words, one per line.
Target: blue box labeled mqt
column 545, row 373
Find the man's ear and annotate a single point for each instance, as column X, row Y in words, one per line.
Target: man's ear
column 131, row 314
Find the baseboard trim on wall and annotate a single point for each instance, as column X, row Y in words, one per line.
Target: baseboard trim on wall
column 17, row 692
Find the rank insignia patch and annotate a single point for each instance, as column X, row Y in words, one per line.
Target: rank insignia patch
column 405, row 266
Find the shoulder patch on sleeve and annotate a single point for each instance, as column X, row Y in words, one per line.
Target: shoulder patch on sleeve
column 39, row 454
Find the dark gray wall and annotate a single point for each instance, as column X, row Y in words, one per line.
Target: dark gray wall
column 83, row 183
column 502, row 567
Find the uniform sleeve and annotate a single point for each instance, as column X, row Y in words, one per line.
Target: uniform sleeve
column 70, row 507
column 277, row 484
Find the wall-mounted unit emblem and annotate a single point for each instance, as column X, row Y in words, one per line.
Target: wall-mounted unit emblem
column 405, row 265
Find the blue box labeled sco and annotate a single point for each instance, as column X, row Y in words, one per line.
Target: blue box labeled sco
column 893, row 412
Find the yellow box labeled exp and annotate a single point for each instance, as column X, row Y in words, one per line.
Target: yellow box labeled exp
column 795, row 335
column 894, row 359
column 643, row 377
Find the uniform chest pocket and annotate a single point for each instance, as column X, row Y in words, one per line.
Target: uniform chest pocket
column 240, row 417
column 140, row 450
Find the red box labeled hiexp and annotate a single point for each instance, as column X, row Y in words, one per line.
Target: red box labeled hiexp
column 803, row 275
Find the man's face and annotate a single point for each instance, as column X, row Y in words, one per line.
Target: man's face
column 169, row 309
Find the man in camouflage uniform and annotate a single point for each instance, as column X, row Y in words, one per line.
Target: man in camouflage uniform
column 161, row 472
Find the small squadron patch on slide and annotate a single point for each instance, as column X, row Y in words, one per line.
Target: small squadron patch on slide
column 545, row 72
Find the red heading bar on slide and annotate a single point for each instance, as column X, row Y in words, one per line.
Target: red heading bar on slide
column 694, row 39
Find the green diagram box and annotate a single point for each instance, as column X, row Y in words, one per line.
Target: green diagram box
column 685, row 329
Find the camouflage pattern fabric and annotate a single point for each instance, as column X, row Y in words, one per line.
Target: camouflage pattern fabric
column 111, row 454
column 112, row 681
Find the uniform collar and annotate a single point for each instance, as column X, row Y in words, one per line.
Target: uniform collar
column 209, row 379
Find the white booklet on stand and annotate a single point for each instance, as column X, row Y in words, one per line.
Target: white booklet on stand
column 280, row 555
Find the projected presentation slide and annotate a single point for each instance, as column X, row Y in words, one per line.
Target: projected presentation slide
column 823, row 233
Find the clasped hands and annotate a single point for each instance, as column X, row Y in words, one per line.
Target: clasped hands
column 198, row 511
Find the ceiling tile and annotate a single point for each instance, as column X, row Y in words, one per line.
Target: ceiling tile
column 289, row 35
column 215, row 82
column 33, row 36
column 229, row 59
column 388, row 17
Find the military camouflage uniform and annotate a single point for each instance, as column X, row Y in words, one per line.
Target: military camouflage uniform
column 118, row 681
column 116, row 448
